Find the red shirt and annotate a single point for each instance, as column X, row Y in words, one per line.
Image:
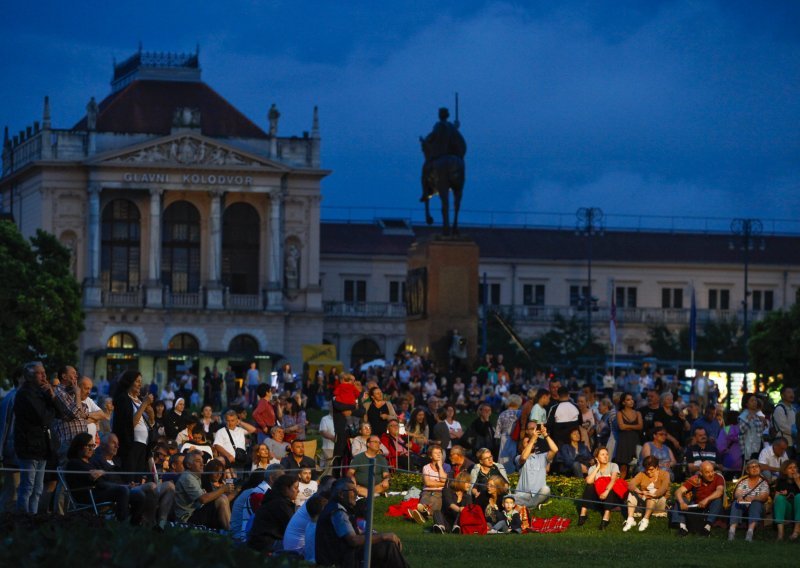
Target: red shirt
column 702, row 488
column 264, row 414
column 346, row 393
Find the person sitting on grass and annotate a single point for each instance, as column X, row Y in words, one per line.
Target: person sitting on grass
column 787, row 498
column 604, row 499
column 538, row 451
column 701, row 493
column 338, row 540
column 455, row 496
column 297, row 459
column 195, row 506
column 647, row 490
column 273, row 516
column 749, row 497
column 359, row 472
column 484, row 469
column 434, row 478
column 574, row 458
column 509, row 519
column 294, row 538
column 490, row 499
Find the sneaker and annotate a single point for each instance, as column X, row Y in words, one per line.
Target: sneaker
column 707, row 530
column 749, row 536
column 417, row 516
column 603, row 524
column 629, row 524
column 456, row 529
column 643, row 524
column 581, row 520
column 683, row 531
column 731, row 534
column 438, row 529
column 491, row 531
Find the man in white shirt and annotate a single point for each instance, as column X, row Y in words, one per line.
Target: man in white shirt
column 306, row 488
column 771, row 458
column 228, row 439
column 328, row 435
column 95, row 412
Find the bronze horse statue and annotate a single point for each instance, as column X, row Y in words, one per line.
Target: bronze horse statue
column 444, row 150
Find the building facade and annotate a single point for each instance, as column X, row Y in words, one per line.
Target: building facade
column 194, row 231
column 533, row 275
column 197, row 237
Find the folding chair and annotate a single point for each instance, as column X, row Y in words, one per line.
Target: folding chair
column 104, row 508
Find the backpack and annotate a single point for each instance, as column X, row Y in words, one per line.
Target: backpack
column 472, row 520
column 774, row 431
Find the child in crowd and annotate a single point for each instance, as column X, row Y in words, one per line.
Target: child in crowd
column 510, row 520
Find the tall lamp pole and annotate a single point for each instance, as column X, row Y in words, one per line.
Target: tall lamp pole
column 747, row 231
column 590, row 224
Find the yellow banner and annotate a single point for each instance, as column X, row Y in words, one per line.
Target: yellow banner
column 322, row 351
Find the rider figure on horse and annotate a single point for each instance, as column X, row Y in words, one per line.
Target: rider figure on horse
column 444, row 140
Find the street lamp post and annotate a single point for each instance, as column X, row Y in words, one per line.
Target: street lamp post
column 747, row 231
column 590, row 224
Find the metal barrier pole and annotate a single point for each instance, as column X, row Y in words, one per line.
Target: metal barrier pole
column 370, row 505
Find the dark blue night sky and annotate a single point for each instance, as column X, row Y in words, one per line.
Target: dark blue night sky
column 642, row 108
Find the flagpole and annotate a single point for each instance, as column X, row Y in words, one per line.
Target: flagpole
column 613, row 330
column 692, row 328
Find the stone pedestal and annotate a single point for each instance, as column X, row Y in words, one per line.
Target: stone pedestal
column 442, row 289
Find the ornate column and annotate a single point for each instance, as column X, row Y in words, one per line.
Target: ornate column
column 214, row 286
column 275, row 276
column 155, row 291
column 313, row 288
column 92, row 291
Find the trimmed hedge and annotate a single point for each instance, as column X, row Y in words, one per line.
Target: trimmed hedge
column 80, row 539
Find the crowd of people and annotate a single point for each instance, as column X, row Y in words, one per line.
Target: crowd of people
column 251, row 468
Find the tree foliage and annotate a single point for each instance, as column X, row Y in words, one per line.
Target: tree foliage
column 40, row 301
column 566, row 341
column 774, row 345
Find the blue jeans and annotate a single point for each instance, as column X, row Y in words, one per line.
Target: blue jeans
column 751, row 513
column 713, row 511
column 31, row 485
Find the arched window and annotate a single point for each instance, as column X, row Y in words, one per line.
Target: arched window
column 119, row 246
column 121, row 353
column 122, row 340
column 184, row 342
column 243, row 345
column 183, row 352
column 180, row 258
column 241, row 228
column 364, row 351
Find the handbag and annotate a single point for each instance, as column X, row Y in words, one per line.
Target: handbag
column 620, row 487
column 240, row 454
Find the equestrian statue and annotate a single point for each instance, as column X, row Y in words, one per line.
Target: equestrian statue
column 443, row 170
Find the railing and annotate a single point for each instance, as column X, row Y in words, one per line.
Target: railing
column 644, row 316
column 365, row 309
column 183, row 300
column 134, row 299
column 243, row 301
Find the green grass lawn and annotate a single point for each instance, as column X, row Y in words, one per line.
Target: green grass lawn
column 658, row 546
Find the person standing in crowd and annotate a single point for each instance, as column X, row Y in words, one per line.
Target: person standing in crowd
column 629, row 421
column 563, row 417
column 132, row 420
column 480, row 434
column 784, row 417
column 8, row 457
column 253, row 380
column 35, row 408
column 751, row 428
